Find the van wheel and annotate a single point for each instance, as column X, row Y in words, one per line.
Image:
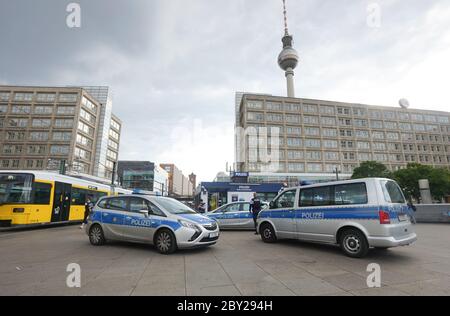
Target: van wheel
column 96, row 236
column 165, row 242
column 353, row 243
column 267, row 233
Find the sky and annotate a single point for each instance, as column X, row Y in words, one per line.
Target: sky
column 174, row 65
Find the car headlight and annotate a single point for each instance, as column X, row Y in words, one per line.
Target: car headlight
column 190, row 225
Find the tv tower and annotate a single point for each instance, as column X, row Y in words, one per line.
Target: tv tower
column 288, row 58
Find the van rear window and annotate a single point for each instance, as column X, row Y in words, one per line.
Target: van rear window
column 392, row 192
column 352, row 193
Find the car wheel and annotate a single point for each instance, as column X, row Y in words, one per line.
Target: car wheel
column 353, row 243
column 267, row 233
column 165, row 242
column 96, row 236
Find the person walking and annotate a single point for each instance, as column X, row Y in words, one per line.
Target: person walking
column 201, row 207
column 88, row 206
column 255, row 208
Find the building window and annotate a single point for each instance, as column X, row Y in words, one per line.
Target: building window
column 313, row 155
column 310, row 119
column 84, row 141
column 41, row 123
column 23, row 96
column 87, row 116
column 312, row 143
column 21, row 109
column 326, row 120
column 329, row 132
column 16, row 122
column 324, row 109
column 253, row 104
column 39, row 109
column 294, row 142
column 64, row 123
column 331, row 155
column 39, row 136
column 62, row 136
column 46, row 97
column 59, row 150
column 293, row 119
column 115, row 125
column 68, row 97
column 310, row 108
column 314, row 167
column 330, row 143
column 87, row 129
column 295, row 155
column 274, row 106
column 4, row 96
column 271, row 117
column 81, row 153
column 89, row 105
column 254, row 116
column 66, row 110
column 296, row 167
column 111, row 154
column 312, row 131
column 114, row 134
column 290, row 130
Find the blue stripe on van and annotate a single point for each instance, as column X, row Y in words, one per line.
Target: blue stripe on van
column 370, row 213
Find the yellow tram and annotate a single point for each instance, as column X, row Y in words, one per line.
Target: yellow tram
column 38, row 197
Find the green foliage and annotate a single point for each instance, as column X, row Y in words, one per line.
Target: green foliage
column 371, row 169
column 408, row 179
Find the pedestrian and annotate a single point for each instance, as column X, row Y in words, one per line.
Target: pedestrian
column 201, row 207
column 255, row 208
column 88, row 206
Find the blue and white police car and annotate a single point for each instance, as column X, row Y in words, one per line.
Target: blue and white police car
column 355, row 214
column 161, row 221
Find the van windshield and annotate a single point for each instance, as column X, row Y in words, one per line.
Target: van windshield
column 392, row 192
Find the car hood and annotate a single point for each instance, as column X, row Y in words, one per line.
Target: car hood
column 197, row 218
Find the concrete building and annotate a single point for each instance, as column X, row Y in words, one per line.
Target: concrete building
column 40, row 127
column 143, row 175
column 179, row 185
column 314, row 138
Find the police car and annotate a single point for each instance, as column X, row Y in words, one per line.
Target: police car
column 235, row 215
column 355, row 214
column 161, row 221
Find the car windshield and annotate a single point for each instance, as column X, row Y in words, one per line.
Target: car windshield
column 174, row 207
column 15, row 188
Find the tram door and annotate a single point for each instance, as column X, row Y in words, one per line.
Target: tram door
column 61, row 202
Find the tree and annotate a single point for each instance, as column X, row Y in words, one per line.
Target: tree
column 408, row 179
column 371, row 169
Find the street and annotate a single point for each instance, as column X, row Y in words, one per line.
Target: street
column 34, row 263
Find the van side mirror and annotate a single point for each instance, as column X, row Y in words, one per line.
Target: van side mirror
column 412, row 206
column 144, row 212
column 271, row 205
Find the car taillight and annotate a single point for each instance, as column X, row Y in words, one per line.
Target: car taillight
column 384, row 217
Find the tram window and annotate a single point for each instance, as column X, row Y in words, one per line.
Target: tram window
column 41, row 193
column 79, row 196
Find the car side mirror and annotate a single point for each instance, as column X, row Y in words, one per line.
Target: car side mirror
column 271, row 205
column 412, row 206
column 144, row 212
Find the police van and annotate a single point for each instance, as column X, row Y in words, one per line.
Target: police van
column 355, row 214
column 164, row 222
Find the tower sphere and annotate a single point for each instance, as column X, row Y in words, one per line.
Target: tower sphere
column 288, row 58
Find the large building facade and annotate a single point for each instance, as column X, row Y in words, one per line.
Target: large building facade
column 179, row 184
column 143, row 175
column 315, row 139
column 43, row 127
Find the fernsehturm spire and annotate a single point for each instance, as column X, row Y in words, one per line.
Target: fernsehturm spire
column 288, row 58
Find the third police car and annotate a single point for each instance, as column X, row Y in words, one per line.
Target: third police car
column 161, row 221
column 355, row 214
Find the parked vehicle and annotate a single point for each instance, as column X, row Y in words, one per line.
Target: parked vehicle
column 234, row 215
column 355, row 214
column 161, row 221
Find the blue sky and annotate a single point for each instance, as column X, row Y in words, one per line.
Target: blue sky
column 175, row 65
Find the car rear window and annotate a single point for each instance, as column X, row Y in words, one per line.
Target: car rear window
column 392, row 192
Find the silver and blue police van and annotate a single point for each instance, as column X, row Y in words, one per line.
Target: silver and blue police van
column 354, row 214
column 161, row 221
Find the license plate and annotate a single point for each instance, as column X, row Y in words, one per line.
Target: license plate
column 213, row 235
column 402, row 217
